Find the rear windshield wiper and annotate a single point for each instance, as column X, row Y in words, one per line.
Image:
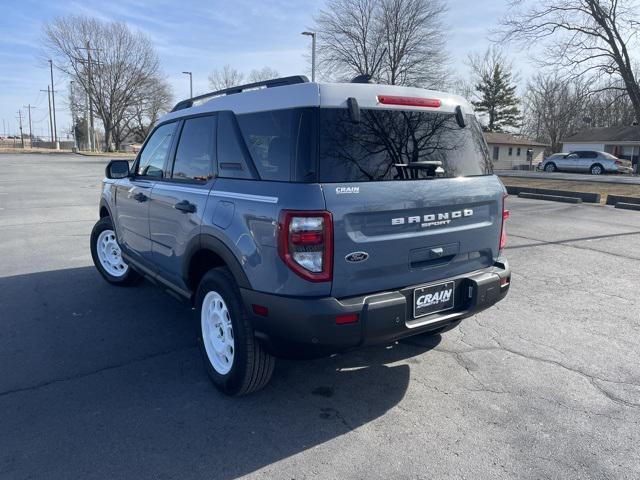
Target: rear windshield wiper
column 410, row 170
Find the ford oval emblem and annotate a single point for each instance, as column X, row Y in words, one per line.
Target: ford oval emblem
column 356, row 257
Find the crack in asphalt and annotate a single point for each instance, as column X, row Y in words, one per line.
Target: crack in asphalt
column 592, row 379
column 557, row 281
column 94, row 372
column 567, row 243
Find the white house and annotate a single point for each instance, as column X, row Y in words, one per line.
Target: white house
column 514, row 152
column 623, row 142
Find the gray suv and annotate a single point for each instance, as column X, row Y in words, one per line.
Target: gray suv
column 305, row 217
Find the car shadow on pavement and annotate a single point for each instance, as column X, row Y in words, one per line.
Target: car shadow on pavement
column 106, row 382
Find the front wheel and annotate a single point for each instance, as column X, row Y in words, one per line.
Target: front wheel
column 107, row 256
column 235, row 360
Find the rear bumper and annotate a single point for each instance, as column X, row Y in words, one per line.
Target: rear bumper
column 382, row 317
column 622, row 169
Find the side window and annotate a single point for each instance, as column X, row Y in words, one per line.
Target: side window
column 233, row 157
column 194, row 155
column 155, row 151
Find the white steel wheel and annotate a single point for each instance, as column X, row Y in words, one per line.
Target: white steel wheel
column 217, row 332
column 110, row 255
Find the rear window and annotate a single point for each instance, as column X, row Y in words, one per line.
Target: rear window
column 388, row 145
column 280, row 143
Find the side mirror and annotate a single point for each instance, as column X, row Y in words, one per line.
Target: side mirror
column 117, row 169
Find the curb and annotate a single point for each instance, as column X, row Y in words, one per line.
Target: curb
column 552, row 198
column 628, row 206
column 614, row 199
column 584, row 197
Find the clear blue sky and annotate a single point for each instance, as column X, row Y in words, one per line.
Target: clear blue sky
column 195, row 35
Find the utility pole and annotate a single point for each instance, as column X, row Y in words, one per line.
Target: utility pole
column 92, row 136
column 50, row 118
column 313, row 53
column 73, row 117
column 53, row 101
column 20, row 120
column 29, row 107
column 190, row 83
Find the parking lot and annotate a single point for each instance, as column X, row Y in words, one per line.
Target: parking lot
column 104, row 382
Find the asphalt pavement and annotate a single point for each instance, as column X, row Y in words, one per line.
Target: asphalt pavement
column 101, row 382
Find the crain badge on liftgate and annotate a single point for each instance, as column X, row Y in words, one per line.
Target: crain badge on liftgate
column 356, row 257
column 344, row 190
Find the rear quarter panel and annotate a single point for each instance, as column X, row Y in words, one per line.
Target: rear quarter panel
column 244, row 215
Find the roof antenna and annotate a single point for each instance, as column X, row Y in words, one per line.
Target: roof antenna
column 364, row 78
column 460, row 117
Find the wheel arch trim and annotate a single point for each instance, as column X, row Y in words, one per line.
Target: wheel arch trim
column 209, row 242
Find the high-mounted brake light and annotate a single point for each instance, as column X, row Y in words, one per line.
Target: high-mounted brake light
column 503, row 231
column 305, row 243
column 409, row 101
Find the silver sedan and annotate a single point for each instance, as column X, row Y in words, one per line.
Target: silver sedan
column 595, row 163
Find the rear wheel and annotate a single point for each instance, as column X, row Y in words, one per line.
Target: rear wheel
column 107, row 256
column 550, row 167
column 596, row 169
column 235, row 360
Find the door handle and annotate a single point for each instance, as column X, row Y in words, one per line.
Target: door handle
column 185, row 206
column 140, row 197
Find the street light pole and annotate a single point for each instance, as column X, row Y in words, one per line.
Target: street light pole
column 313, row 53
column 190, row 83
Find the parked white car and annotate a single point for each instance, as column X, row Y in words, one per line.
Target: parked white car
column 588, row 161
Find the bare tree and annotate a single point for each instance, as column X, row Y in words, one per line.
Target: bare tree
column 142, row 116
column 399, row 42
column 609, row 108
column 225, row 78
column 553, row 109
column 122, row 65
column 262, row 74
column 588, row 39
column 350, row 40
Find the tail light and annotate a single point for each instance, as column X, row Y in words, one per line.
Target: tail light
column 503, row 231
column 305, row 243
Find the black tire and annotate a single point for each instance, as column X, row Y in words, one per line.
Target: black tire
column 131, row 277
column 550, row 167
column 596, row 169
column 252, row 367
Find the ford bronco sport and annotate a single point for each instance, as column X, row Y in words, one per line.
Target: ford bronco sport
column 298, row 214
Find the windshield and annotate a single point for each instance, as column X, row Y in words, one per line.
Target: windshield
column 389, row 145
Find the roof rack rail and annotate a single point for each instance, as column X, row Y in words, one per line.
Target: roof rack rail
column 276, row 82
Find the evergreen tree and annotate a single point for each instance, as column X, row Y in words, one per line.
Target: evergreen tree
column 498, row 98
